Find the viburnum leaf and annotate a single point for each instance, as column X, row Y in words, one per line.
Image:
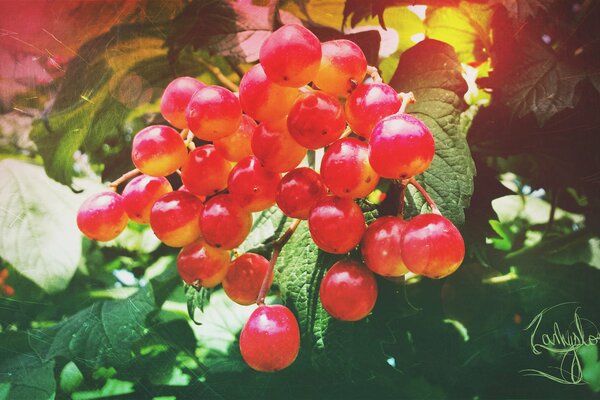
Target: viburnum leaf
column 267, row 226
column 521, row 10
column 103, row 334
column 27, row 377
column 432, row 72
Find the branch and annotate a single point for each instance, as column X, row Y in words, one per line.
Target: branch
column 219, row 75
column 123, row 178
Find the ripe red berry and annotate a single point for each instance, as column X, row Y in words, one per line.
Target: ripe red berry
column 175, row 218
column 102, row 216
column 343, row 66
column 224, row 223
column 346, row 170
column 336, row 224
column 253, row 186
column 205, row 171
column 158, row 150
column 245, row 277
column 368, row 104
column 213, row 113
column 291, row 56
column 348, row 291
column 298, row 192
column 237, row 145
column 316, row 120
column 175, row 99
column 202, row 264
column 140, row 194
column 401, row 147
column 273, row 145
column 432, row 246
column 381, row 248
column 270, row 340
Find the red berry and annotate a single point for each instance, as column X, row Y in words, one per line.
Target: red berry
column 102, row 216
column 158, row 150
column 224, row 223
column 140, row 194
column 237, row 145
column 175, row 218
column 380, row 246
column 401, row 147
column 368, row 104
column 343, row 66
column 273, row 145
column 270, row 340
column 202, row 264
column 336, row 224
column 205, row 171
column 291, row 56
column 348, row 291
column 213, row 113
column 253, row 186
column 175, row 99
column 298, row 192
column 432, row 246
column 245, row 277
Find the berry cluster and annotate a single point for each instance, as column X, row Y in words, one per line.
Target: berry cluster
column 305, row 95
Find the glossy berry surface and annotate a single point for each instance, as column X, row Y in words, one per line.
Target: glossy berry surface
column 140, row 194
column 316, row 120
column 343, row 67
column 253, row 186
column 237, row 145
column 224, row 223
column 175, row 218
column 158, row 150
column 102, row 216
column 380, row 246
column 348, row 291
column 245, row 277
column 432, row 246
column 263, row 99
column 201, row 264
column 205, row 171
column 298, row 191
column 270, row 340
column 213, row 113
column 291, row 56
column 273, row 145
column 175, row 99
column 346, row 170
column 401, row 147
column 336, row 224
column 368, row 104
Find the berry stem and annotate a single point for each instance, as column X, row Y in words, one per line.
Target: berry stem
column 402, row 185
column 346, row 132
column 432, row 205
column 188, row 140
column 125, row 177
column 219, row 75
column 374, row 74
column 407, row 98
column 277, row 246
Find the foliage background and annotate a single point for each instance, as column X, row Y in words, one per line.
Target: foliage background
column 511, row 92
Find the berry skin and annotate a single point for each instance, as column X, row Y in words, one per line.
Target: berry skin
column 343, row 66
column 140, row 194
column 205, row 171
column 270, row 340
column 432, row 246
column 158, row 150
column 244, row 278
column 175, row 99
column 316, row 120
column 346, row 170
column 273, row 145
column 224, row 223
column 175, row 218
column 298, row 192
column 213, row 113
column 202, row 264
column 381, row 248
column 348, row 291
column 336, row 224
column 237, row 145
column 262, row 99
column 291, row 56
column 368, row 104
column 102, row 216
column 401, row 147
column 253, row 186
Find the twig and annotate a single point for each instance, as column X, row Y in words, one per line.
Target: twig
column 428, row 199
column 219, row 75
column 123, row 178
column 277, row 246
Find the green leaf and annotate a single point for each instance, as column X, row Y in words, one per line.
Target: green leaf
column 267, row 226
column 39, row 234
column 27, row 377
column 197, row 299
column 70, row 378
column 432, row 72
column 104, row 334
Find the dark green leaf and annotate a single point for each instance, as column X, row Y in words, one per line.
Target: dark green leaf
column 27, row 377
column 197, row 299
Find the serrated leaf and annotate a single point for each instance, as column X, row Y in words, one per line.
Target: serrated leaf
column 432, row 72
column 39, row 234
column 27, row 377
column 521, row 10
column 267, row 226
column 197, row 299
column 103, row 334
